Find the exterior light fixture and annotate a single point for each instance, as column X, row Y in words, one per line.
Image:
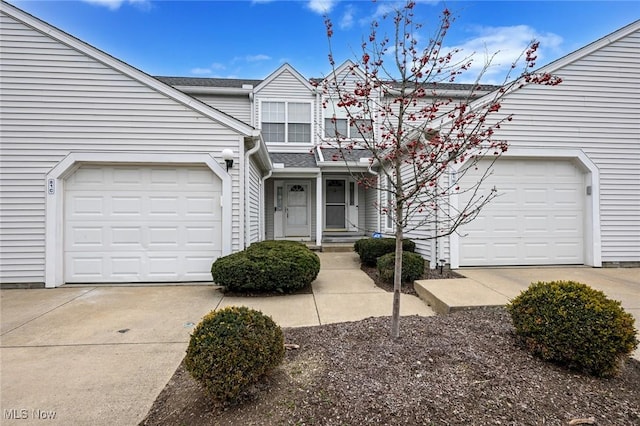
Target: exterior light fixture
column 227, row 155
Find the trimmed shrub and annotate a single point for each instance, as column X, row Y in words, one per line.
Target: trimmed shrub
column 356, row 245
column 370, row 249
column 267, row 266
column 412, row 266
column 233, row 348
column 574, row 325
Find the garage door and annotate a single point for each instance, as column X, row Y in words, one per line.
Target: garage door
column 141, row 224
column 537, row 219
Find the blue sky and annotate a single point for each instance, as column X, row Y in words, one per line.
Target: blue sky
column 250, row 39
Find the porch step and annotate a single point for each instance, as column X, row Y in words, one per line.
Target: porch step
column 337, row 247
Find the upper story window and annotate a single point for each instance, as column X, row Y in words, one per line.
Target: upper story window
column 286, row 122
column 335, row 128
column 338, row 125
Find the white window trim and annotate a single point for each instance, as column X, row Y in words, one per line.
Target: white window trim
column 286, row 132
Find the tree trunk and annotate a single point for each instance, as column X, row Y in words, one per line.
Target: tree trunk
column 397, row 283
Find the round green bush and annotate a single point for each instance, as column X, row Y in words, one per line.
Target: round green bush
column 232, row 348
column 412, row 266
column 267, row 266
column 574, row 325
column 356, row 245
column 370, row 249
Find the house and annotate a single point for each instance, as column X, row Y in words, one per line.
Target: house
column 570, row 181
column 111, row 175
column 312, row 193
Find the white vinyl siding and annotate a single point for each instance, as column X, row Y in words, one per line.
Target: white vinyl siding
column 56, row 100
column 253, row 208
column 237, row 106
column 269, row 210
column 595, row 109
column 372, row 214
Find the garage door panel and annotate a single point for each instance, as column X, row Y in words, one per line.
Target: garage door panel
column 144, row 227
column 535, row 224
column 126, row 237
column 202, row 236
column 536, row 219
column 128, row 206
column 87, row 205
column 198, row 206
column 163, row 236
column 163, row 206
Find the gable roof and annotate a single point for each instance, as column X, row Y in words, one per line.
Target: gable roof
column 590, row 48
column 285, row 67
column 126, row 69
column 235, row 83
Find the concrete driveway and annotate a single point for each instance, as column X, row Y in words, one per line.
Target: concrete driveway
column 100, row 355
column 484, row 287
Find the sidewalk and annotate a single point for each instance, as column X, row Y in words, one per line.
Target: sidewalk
column 100, row 355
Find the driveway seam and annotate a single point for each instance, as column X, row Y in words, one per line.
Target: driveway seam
column 50, row 310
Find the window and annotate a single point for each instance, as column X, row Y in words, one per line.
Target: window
column 286, row 122
column 337, row 127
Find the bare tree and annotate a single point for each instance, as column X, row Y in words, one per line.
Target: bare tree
column 421, row 142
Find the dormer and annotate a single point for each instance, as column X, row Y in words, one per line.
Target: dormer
column 285, row 110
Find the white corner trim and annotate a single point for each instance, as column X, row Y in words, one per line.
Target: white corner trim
column 592, row 234
column 54, row 205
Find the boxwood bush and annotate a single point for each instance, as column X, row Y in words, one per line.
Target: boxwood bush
column 412, row 266
column 370, row 249
column 267, row 266
column 574, row 325
column 232, row 348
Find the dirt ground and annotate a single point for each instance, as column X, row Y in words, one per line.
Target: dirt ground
column 461, row 369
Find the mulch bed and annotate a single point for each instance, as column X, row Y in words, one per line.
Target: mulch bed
column 407, row 288
column 465, row 368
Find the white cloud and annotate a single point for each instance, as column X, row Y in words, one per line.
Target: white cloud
column 321, row 6
column 201, row 71
column 257, row 58
column 346, row 21
column 115, row 4
column 506, row 45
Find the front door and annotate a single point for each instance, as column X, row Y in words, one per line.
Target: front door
column 296, row 214
column 336, row 205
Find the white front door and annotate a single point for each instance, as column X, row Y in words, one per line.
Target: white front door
column 296, row 210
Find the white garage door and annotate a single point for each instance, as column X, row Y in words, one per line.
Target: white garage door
column 537, row 219
column 141, row 224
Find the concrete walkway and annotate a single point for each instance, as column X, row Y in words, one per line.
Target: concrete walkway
column 100, row 355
